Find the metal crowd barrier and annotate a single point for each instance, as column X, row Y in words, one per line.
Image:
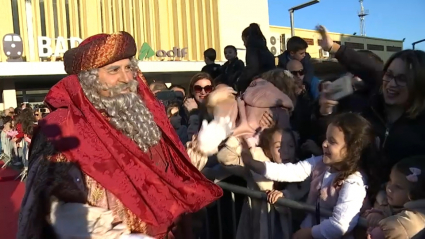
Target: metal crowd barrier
column 234, row 189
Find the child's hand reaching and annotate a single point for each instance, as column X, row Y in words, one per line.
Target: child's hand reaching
column 273, row 196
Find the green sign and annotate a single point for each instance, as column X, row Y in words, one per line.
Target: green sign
column 146, row 52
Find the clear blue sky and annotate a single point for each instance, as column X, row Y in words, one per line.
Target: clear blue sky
column 392, row 19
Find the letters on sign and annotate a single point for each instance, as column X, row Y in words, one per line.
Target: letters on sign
column 45, row 45
column 146, row 52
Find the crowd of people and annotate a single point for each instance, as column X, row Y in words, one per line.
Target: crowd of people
column 362, row 144
column 17, row 129
column 118, row 158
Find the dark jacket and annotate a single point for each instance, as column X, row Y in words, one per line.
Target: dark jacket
column 193, row 123
column 212, row 69
column 181, row 130
column 301, row 117
column 367, row 69
column 194, row 120
column 359, row 64
column 403, row 138
column 284, row 58
column 258, row 60
column 231, row 70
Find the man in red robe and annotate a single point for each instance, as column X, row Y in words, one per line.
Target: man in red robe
column 106, row 162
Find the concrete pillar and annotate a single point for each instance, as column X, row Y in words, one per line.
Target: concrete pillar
column 9, row 94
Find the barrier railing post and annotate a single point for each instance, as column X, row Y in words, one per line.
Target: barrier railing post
column 233, row 214
column 281, row 201
column 220, row 222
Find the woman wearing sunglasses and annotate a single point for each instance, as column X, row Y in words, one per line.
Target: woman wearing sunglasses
column 200, row 86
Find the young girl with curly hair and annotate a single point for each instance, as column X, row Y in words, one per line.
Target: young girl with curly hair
column 338, row 182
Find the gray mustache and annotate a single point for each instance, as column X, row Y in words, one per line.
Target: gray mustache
column 117, row 89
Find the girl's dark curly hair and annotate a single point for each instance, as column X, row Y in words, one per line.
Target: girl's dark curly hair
column 362, row 153
column 26, row 118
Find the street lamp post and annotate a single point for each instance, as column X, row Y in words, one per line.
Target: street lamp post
column 416, row 42
column 293, row 9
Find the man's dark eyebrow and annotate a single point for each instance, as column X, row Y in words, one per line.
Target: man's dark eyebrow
column 112, row 68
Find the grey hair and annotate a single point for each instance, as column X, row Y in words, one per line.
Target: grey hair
column 127, row 112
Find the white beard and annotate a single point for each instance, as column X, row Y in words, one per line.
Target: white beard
column 127, row 111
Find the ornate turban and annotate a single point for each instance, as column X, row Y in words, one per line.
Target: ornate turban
column 99, row 50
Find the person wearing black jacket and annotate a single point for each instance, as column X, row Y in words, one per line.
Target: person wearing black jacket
column 258, row 57
column 296, row 50
column 232, row 69
column 211, row 68
column 396, row 109
column 301, row 116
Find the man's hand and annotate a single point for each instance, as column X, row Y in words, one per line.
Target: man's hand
column 190, row 104
column 273, row 196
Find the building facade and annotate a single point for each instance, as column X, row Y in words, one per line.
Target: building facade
column 384, row 48
column 171, row 36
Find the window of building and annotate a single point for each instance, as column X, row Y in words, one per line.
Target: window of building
column 55, row 18
column 309, row 41
column 68, row 23
column 282, row 43
column 42, row 18
column 394, row 48
column 15, row 16
column 374, row 47
column 355, row 45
